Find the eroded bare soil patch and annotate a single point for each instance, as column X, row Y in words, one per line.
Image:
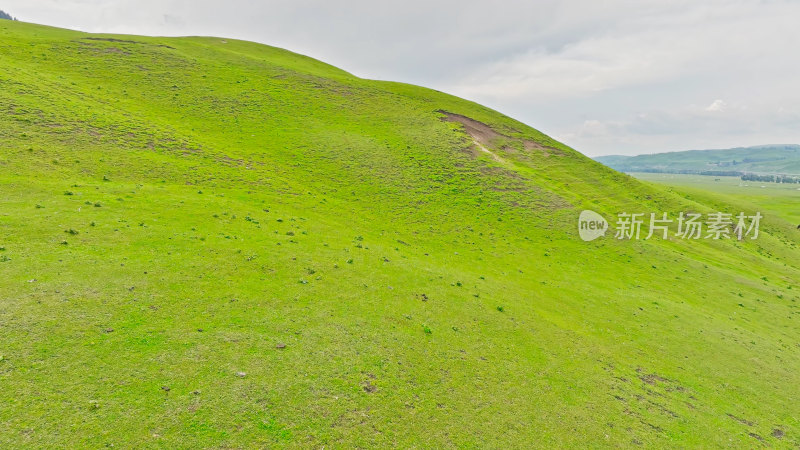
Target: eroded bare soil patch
column 487, row 138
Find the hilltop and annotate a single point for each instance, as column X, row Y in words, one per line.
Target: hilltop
column 207, row 242
column 758, row 160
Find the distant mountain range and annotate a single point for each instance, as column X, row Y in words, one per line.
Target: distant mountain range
column 760, row 160
column 5, row 15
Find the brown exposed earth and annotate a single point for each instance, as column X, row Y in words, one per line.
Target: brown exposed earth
column 487, row 138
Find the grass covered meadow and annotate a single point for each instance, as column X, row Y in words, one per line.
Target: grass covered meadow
column 212, row 243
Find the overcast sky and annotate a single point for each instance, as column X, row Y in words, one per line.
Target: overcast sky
column 606, row 77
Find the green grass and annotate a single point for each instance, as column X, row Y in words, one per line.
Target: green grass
column 772, row 199
column 214, row 243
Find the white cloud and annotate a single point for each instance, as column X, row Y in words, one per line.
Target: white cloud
column 717, row 127
column 718, row 106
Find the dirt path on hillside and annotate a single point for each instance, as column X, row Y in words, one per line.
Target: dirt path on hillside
column 482, row 134
column 485, row 137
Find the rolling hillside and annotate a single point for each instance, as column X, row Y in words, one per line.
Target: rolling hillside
column 760, row 160
column 213, row 243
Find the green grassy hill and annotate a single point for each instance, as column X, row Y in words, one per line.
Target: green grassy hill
column 212, row 243
column 761, row 160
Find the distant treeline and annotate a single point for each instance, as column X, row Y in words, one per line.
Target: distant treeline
column 771, row 178
column 722, row 173
column 713, row 173
column 5, row 15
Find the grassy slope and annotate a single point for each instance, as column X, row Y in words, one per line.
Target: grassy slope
column 263, row 197
column 765, row 159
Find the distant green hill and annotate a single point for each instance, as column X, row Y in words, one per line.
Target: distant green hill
column 761, row 160
column 211, row 243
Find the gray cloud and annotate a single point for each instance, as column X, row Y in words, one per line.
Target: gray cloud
column 619, row 76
